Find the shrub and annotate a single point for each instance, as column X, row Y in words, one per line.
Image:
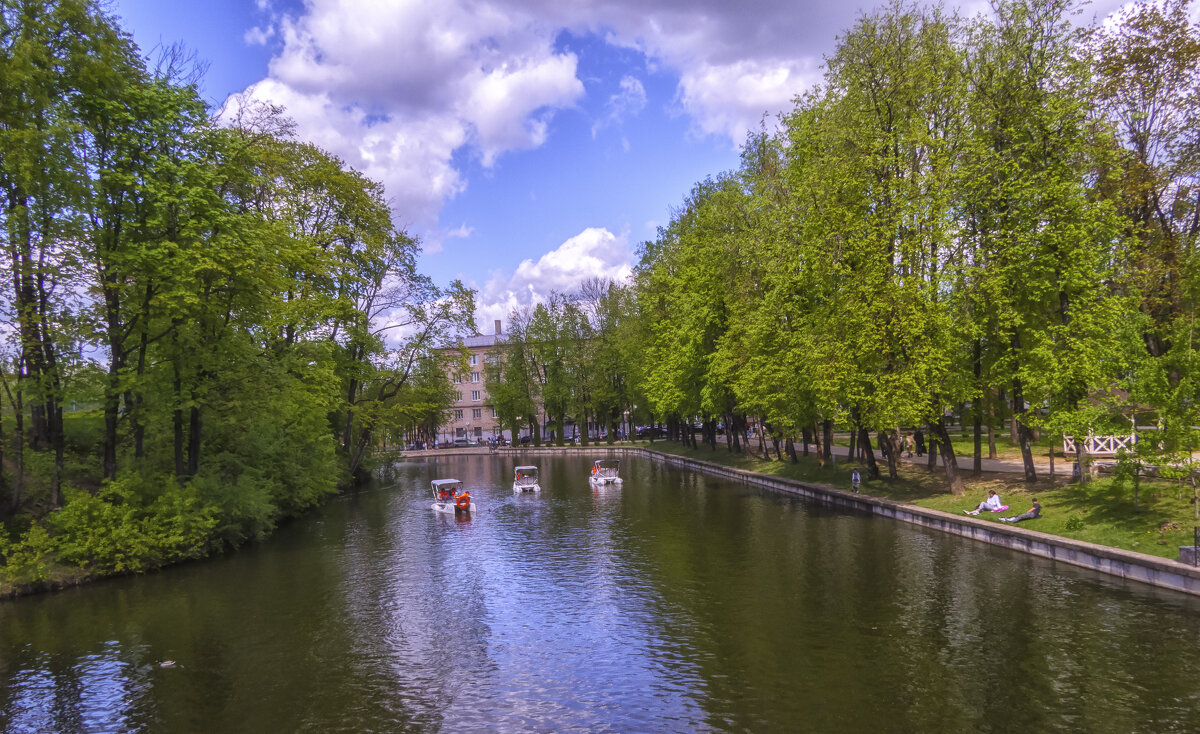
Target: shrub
column 25, row 560
column 116, row 531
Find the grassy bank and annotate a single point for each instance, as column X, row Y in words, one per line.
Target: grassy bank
column 1103, row 511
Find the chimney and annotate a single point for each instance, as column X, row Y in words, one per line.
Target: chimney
column 497, row 327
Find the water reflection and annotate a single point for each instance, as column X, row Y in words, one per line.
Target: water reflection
column 672, row 602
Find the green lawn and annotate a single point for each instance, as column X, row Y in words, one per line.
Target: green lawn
column 1102, row 511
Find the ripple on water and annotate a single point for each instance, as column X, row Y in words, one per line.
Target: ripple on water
column 675, row 602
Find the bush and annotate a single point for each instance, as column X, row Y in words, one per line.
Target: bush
column 1074, row 522
column 25, row 560
column 116, row 532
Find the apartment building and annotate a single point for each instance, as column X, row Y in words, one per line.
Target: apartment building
column 472, row 416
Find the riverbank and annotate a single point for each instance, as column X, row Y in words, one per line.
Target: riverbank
column 1137, row 541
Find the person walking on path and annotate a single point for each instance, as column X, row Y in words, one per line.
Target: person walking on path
column 1032, row 514
column 855, row 480
column 919, row 440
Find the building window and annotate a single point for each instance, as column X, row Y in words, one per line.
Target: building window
column 493, row 412
column 458, row 414
column 477, row 413
column 474, row 394
column 474, row 359
column 457, row 379
column 474, row 377
column 458, row 397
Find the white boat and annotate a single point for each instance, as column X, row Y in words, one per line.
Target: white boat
column 605, row 471
column 450, row 497
column 525, row 479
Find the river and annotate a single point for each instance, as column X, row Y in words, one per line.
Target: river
column 674, row 602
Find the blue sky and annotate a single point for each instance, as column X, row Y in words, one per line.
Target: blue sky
column 529, row 143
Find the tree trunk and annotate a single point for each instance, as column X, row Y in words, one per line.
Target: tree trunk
column 791, row 450
column 827, row 427
column 948, row 458
column 864, row 440
column 891, row 451
column 1023, row 433
column 15, row 402
column 977, row 464
column 112, row 407
column 177, row 425
column 136, row 418
column 193, row 440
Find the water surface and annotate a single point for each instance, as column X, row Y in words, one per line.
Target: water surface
column 675, row 602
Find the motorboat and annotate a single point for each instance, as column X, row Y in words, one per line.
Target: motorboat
column 450, row 497
column 525, row 479
column 605, row 471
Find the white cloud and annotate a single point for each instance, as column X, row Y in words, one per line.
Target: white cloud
column 628, row 101
column 461, row 232
column 257, row 36
column 730, row 99
column 594, row 252
column 403, row 90
column 411, row 157
column 396, row 90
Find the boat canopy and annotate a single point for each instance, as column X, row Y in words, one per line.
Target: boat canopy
column 528, row 471
column 445, row 485
column 608, row 463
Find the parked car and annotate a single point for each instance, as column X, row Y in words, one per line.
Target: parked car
column 462, row 441
column 650, row 432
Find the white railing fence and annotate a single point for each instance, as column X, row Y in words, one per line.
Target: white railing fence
column 1100, row 445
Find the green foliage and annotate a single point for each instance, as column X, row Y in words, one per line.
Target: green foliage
column 26, row 560
column 119, row 530
column 245, row 290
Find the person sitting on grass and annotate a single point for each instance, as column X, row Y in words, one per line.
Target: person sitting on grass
column 1034, row 512
column 991, row 504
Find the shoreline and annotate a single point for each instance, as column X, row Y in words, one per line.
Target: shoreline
column 1128, row 565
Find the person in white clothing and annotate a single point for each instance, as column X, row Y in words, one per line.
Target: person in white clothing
column 992, row 503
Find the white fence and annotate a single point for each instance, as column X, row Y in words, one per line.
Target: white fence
column 1100, row 445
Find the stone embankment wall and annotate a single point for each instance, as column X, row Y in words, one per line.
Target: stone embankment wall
column 1140, row 567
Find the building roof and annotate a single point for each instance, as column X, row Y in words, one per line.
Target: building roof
column 483, row 340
